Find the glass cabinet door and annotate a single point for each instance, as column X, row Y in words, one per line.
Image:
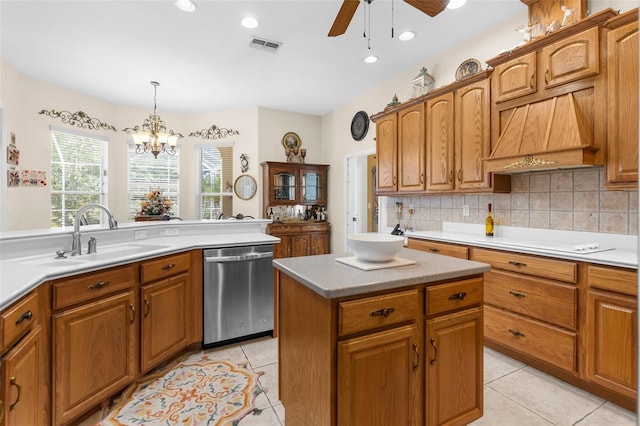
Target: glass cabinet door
column 312, row 186
column 284, row 186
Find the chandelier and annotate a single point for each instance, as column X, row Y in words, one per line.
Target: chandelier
column 153, row 136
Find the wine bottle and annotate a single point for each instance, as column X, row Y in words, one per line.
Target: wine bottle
column 488, row 223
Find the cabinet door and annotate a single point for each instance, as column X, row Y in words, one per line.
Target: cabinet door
column 300, row 245
column 515, row 78
column 387, row 153
column 622, row 122
column 24, row 382
column 572, row 58
column 440, row 143
column 94, row 354
column 454, row 368
column 411, row 148
column 313, row 185
column 284, row 248
column 612, row 344
column 472, row 136
column 164, row 319
column 319, row 244
column 284, row 184
column 378, row 379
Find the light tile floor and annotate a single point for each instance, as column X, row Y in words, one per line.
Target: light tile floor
column 514, row 393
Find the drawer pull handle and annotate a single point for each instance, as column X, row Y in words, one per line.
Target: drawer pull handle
column 434, row 250
column 98, row 286
column 458, row 296
column 517, row 294
column 13, row 382
column 26, row 316
column 516, row 333
column 435, row 352
column 147, row 307
column 531, row 81
column 169, row 266
column 417, row 364
column 382, row 312
column 516, row 263
column 459, row 175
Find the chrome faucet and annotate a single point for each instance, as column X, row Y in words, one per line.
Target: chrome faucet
column 76, row 248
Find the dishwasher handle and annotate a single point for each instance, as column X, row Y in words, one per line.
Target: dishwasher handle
column 241, row 258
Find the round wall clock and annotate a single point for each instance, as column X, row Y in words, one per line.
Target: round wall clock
column 467, row 68
column 359, row 125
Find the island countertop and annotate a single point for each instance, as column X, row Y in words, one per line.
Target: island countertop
column 332, row 279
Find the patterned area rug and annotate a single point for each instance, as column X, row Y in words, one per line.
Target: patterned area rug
column 195, row 391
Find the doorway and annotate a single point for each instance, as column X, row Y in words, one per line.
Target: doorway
column 361, row 201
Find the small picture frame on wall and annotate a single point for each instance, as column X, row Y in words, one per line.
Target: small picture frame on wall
column 13, row 178
column 13, row 153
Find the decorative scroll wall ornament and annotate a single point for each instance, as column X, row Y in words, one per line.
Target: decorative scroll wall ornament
column 214, row 132
column 529, row 161
column 79, row 119
column 244, row 163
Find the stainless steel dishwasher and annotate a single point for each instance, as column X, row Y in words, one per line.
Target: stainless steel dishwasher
column 237, row 293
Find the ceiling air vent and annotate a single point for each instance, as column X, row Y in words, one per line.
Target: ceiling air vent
column 260, row 43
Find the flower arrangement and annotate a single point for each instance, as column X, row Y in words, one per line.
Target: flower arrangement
column 155, row 204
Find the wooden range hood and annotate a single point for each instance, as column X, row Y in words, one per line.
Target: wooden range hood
column 551, row 134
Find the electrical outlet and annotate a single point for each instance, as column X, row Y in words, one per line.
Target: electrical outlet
column 465, row 210
column 171, row 231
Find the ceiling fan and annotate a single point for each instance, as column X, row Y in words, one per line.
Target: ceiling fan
column 348, row 9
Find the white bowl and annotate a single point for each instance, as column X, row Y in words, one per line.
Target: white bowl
column 374, row 247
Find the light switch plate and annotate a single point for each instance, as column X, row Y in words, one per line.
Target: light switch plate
column 465, row 210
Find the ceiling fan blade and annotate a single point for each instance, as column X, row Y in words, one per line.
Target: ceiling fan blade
column 345, row 14
column 430, row 7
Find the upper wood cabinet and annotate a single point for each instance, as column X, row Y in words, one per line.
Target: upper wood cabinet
column 440, row 143
column 411, row 148
column 622, row 112
column 572, row 58
column 387, row 153
column 515, row 78
column 293, row 183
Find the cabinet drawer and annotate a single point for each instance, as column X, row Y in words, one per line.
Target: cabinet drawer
column 378, row 311
column 315, row 227
column 86, row 287
column 619, row 280
column 544, row 342
column 572, row 58
column 459, row 294
column 16, row 320
column 164, row 267
column 282, row 229
column 538, row 298
column 532, row 265
column 515, row 78
column 439, row 248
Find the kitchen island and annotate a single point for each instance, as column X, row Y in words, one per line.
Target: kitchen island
column 386, row 346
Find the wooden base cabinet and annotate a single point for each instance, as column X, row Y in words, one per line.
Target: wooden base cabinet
column 612, row 330
column 383, row 367
column 94, row 353
column 454, row 356
column 24, row 382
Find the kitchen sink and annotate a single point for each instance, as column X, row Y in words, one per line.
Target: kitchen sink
column 104, row 253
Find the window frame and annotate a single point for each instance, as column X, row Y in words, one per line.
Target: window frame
column 198, row 175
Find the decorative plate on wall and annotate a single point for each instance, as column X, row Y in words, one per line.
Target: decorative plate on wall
column 467, row 68
column 359, row 125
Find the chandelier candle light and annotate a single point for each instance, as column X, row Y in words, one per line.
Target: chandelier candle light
column 154, row 137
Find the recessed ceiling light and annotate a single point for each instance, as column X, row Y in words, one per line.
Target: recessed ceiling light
column 454, row 4
column 186, row 5
column 371, row 59
column 250, row 22
column 407, row 35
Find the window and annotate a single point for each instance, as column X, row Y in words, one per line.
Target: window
column 147, row 172
column 78, row 176
column 215, row 195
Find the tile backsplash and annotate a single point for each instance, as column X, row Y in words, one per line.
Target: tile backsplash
column 573, row 200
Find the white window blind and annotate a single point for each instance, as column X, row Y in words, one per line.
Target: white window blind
column 147, row 172
column 78, row 175
column 215, row 197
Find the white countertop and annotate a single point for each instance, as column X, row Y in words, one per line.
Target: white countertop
column 623, row 249
column 331, row 279
column 28, row 260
